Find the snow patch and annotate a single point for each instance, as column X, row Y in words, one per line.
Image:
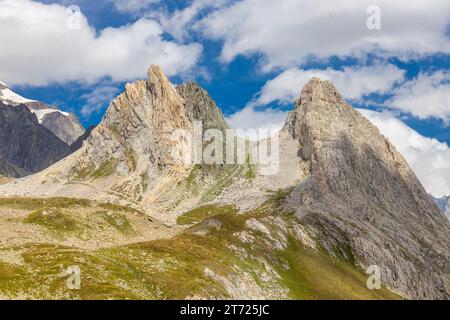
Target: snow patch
column 40, row 114
column 10, row 96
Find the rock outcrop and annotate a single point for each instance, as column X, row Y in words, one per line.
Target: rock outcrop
column 362, row 202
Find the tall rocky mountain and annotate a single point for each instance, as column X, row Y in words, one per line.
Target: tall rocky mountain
column 340, row 186
column 362, row 201
column 64, row 125
column 129, row 156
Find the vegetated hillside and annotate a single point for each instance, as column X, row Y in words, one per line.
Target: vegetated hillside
column 257, row 255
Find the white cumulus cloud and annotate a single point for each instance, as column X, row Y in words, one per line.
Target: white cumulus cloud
column 250, row 118
column 290, row 32
column 352, row 82
column 180, row 22
column 44, row 43
column 426, row 96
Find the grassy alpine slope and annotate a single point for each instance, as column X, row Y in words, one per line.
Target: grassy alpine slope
column 219, row 253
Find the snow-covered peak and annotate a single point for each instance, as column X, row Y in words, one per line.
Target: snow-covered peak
column 10, row 97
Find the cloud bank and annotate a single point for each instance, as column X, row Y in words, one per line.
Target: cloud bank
column 426, row 96
column 291, row 32
column 353, row 82
column 44, row 43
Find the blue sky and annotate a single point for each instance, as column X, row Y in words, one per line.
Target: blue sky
column 252, row 56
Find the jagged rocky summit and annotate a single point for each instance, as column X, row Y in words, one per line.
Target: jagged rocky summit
column 362, row 201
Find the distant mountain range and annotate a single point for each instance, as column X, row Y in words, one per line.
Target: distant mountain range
column 33, row 135
column 444, row 204
column 64, row 125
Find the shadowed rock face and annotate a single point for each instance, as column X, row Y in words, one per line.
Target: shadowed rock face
column 362, row 201
column 200, row 107
column 25, row 146
column 79, row 142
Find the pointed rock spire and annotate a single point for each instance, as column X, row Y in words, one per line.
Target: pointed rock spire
column 363, row 196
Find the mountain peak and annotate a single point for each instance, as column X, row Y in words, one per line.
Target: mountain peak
column 9, row 97
column 361, row 187
column 160, row 86
column 155, row 71
column 157, row 76
column 317, row 90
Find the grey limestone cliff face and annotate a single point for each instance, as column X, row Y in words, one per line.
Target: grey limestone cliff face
column 136, row 131
column 129, row 158
column 201, row 107
column 362, row 202
column 25, row 146
column 66, row 127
